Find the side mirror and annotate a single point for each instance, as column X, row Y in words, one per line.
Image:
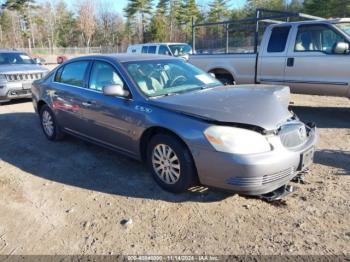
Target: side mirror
column 341, row 48
column 186, row 57
column 115, row 90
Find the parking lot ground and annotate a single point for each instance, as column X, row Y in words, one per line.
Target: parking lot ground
column 70, row 197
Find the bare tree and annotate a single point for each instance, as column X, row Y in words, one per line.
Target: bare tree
column 86, row 20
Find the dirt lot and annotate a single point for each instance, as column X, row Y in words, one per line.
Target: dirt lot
column 69, row 197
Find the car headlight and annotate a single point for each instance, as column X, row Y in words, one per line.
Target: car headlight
column 236, row 140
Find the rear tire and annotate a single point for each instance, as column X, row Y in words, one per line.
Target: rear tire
column 171, row 163
column 49, row 124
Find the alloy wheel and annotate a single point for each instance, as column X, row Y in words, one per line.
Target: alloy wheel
column 166, row 164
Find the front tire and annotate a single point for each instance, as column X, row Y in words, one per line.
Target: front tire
column 171, row 163
column 49, row 124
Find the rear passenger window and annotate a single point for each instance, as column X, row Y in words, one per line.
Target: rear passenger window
column 278, row 39
column 144, row 49
column 152, row 49
column 73, row 73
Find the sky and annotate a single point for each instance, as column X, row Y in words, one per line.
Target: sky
column 118, row 5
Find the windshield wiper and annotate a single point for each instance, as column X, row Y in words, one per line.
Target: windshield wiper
column 167, row 94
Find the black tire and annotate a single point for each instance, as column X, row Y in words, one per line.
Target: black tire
column 56, row 134
column 187, row 175
column 225, row 79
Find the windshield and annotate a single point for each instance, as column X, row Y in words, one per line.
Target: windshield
column 165, row 77
column 15, row 58
column 345, row 27
column 179, row 50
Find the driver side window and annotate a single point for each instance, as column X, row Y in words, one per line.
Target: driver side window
column 319, row 38
column 103, row 74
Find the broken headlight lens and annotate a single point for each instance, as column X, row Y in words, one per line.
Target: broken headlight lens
column 236, row 140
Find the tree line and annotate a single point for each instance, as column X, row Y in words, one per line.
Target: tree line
column 49, row 24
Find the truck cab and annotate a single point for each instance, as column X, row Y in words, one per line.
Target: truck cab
column 172, row 49
column 311, row 57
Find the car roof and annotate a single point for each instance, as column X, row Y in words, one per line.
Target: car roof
column 11, row 51
column 124, row 57
column 168, row 43
column 319, row 21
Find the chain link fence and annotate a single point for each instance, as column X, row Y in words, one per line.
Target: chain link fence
column 75, row 50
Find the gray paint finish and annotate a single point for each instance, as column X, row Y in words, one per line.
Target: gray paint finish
column 119, row 123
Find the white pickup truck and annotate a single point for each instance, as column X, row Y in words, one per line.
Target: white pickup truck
column 311, row 57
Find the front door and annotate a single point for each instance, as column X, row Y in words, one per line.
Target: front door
column 315, row 68
column 110, row 118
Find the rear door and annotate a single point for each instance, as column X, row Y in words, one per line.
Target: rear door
column 67, row 98
column 273, row 56
column 313, row 66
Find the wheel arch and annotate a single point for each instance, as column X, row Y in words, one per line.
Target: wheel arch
column 40, row 104
column 222, row 70
column 152, row 131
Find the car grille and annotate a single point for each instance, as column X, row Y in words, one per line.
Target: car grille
column 258, row 181
column 17, row 93
column 277, row 176
column 23, row 77
column 293, row 134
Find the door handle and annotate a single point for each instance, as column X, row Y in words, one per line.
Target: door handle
column 290, row 61
column 88, row 103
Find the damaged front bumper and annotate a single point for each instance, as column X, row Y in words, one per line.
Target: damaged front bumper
column 256, row 174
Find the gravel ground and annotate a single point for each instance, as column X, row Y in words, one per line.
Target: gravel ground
column 70, row 197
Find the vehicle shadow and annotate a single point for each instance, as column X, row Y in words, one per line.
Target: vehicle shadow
column 328, row 117
column 77, row 163
column 16, row 101
column 324, row 117
column 334, row 158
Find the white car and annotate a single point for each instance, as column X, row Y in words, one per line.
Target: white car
column 173, row 49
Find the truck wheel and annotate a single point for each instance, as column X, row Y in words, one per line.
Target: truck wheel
column 49, row 124
column 226, row 80
column 171, row 163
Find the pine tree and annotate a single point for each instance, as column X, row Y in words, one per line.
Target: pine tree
column 218, row 11
column 159, row 23
column 189, row 10
column 142, row 8
column 318, row 7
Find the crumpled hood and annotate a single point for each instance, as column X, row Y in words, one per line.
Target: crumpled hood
column 259, row 105
column 22, row 68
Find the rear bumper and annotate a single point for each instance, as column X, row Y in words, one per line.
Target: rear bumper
column 254, row 174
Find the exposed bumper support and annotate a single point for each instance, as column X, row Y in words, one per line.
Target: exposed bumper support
column 278, row 194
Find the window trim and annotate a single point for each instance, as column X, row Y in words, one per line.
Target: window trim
column 317, row 51
column 71, row 62
column 286, row 43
